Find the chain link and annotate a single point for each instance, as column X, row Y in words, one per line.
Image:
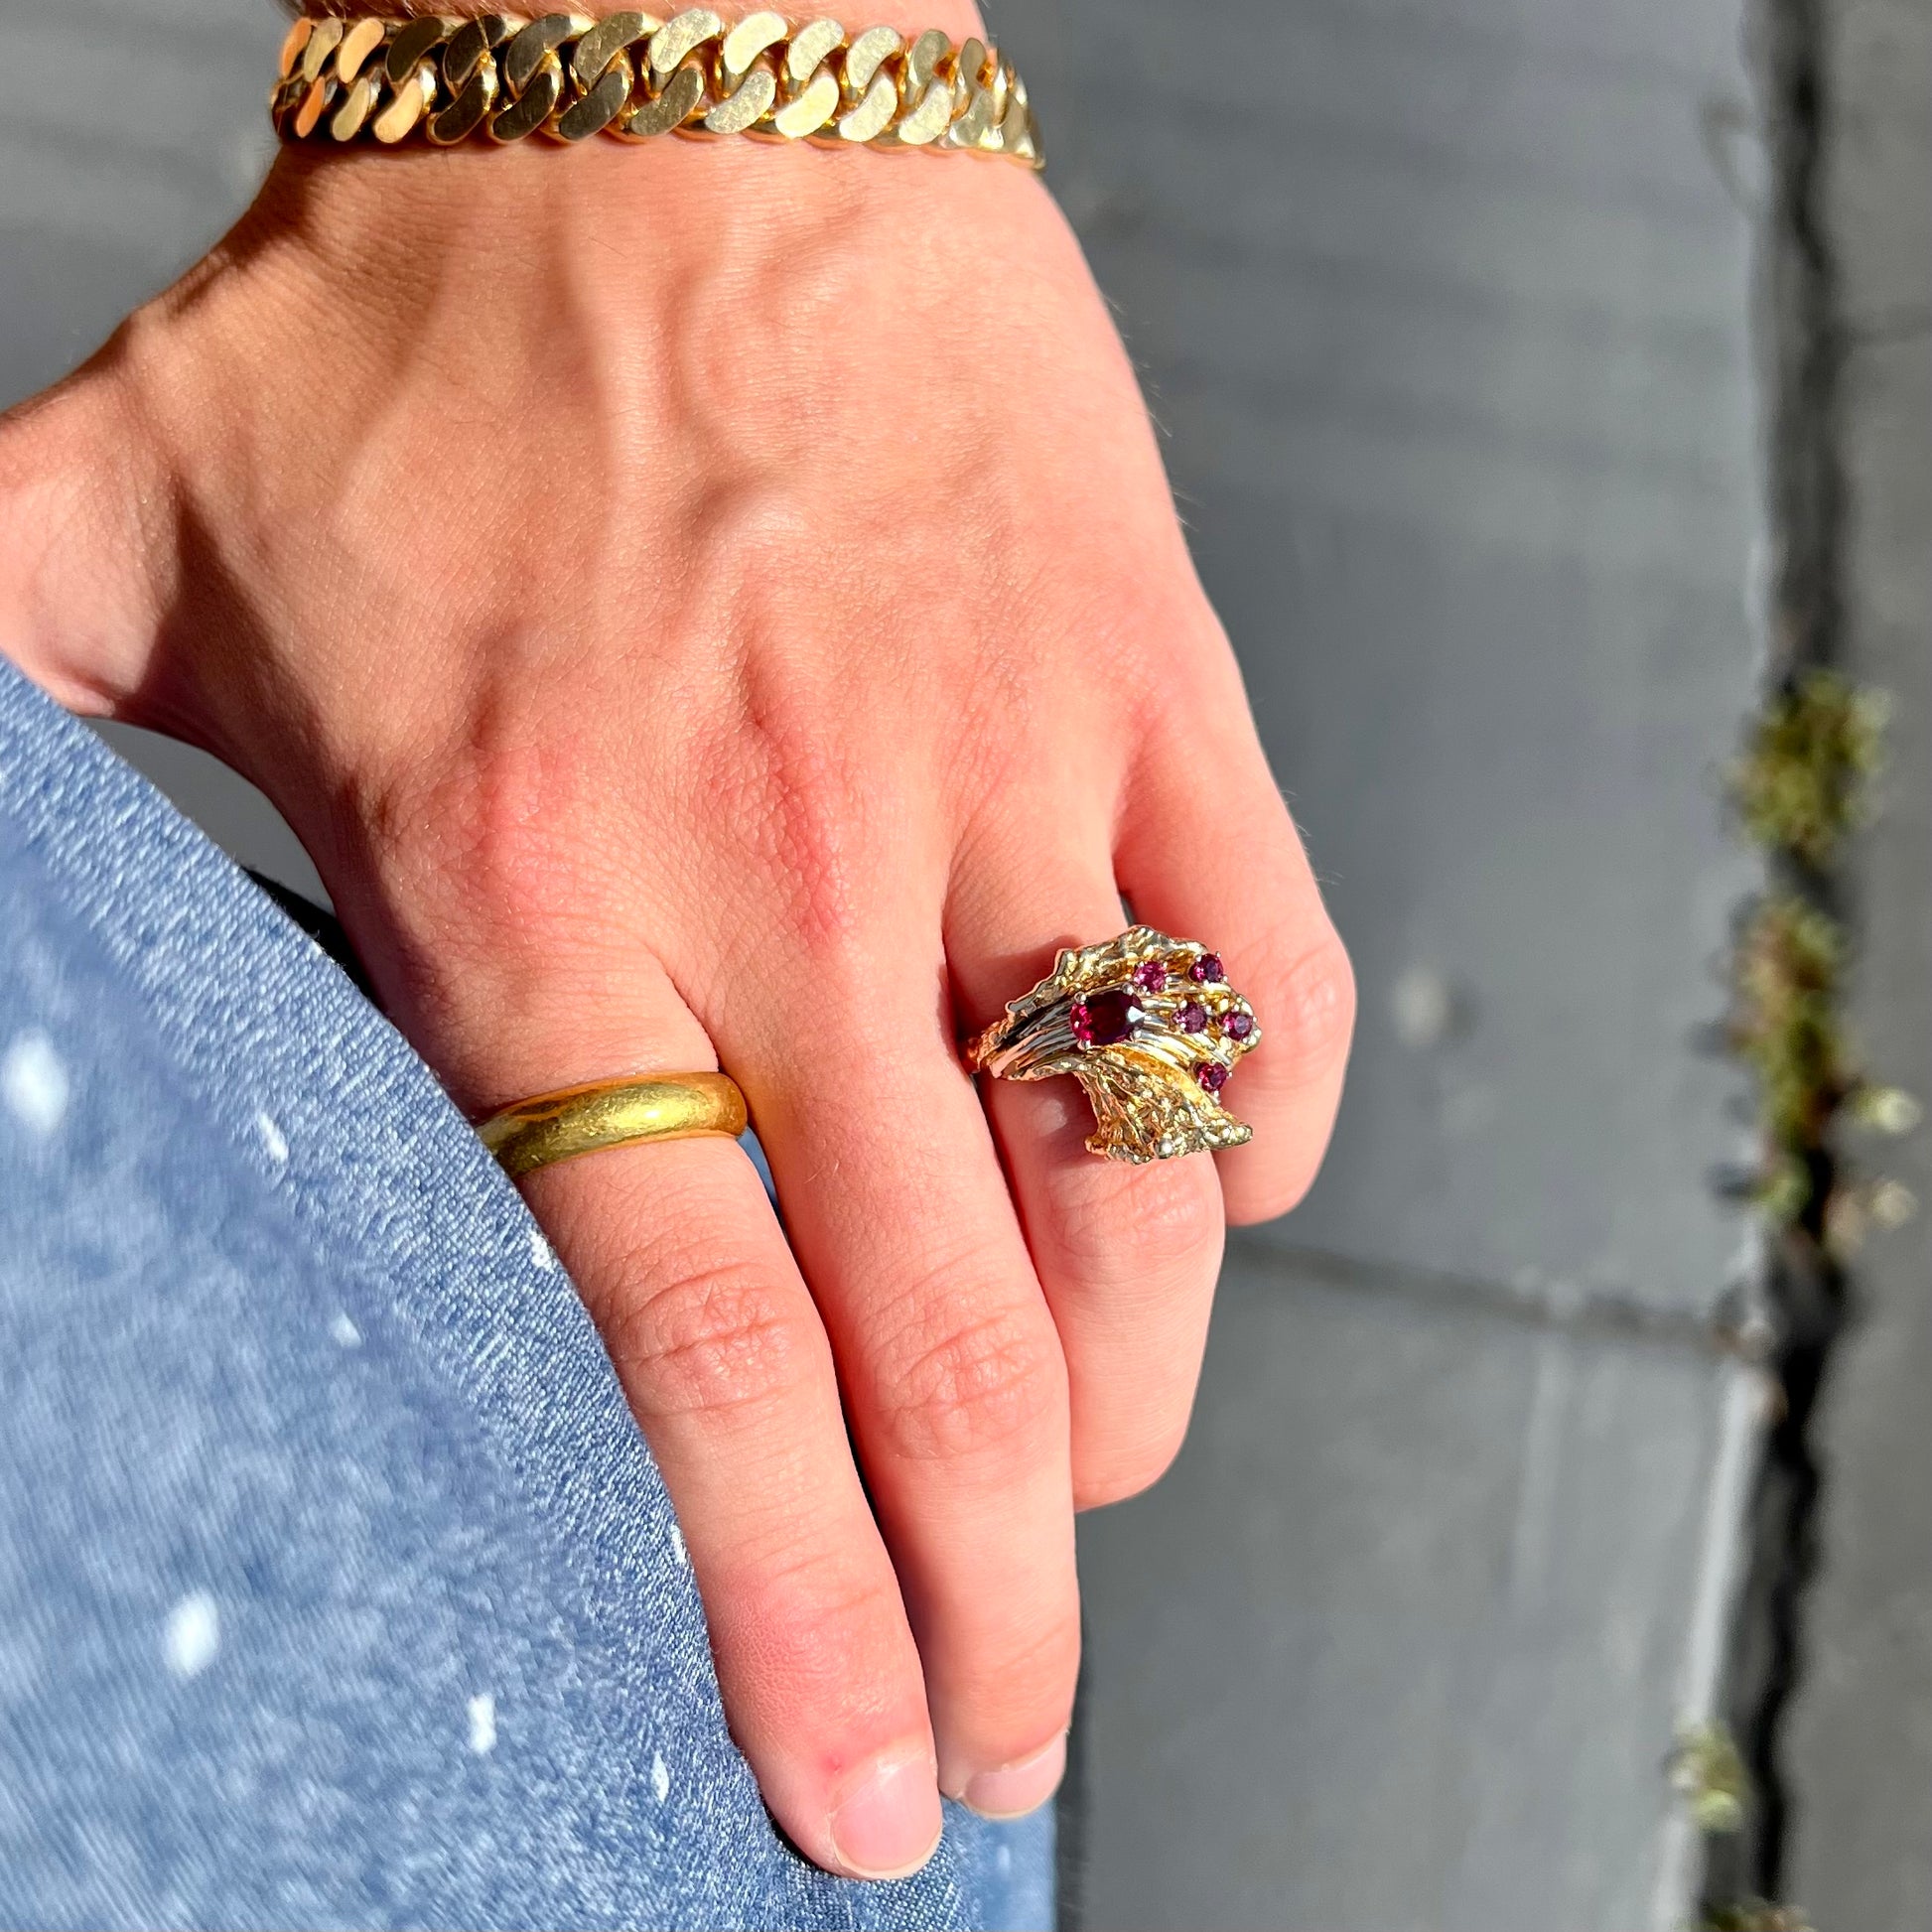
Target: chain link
column 504, row 78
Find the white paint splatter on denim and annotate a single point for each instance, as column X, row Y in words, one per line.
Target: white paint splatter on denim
column 482, row 1724
column 34, row 1084
column 193, row 1635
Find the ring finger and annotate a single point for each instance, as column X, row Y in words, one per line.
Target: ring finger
column 953, row 1372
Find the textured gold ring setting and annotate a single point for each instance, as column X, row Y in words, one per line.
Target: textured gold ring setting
column 1149, row 1028
column 560, row 1126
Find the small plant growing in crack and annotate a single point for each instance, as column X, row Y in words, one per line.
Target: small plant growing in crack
column 1804, row 780
column 1708, row 1773
column 1755, row 1915
column 1801, row 785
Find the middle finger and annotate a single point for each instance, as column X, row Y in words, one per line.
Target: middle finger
column 952, row 1371
column 1128, row 1256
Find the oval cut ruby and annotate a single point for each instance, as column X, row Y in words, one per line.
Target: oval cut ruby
column 1103, row 1019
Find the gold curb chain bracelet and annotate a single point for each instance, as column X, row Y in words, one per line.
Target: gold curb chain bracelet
column 503, row 77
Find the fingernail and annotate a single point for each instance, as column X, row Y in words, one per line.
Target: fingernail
column 888, row 1825
column 1019, row 1788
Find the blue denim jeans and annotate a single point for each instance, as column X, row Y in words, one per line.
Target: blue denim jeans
column 337, row 1584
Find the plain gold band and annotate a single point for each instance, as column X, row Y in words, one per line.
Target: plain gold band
column 560, row 1126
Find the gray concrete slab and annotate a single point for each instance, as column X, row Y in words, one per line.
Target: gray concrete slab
column 1443, row 312
column 109, row 189
column 1446, row 311
column 1399, row 1640
column 1858, row 1749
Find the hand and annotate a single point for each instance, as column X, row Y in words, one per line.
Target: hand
column 723, row 605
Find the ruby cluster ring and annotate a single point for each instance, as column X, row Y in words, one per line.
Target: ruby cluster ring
column 1149, row 1028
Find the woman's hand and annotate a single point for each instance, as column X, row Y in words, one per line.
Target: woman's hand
column 724, row 602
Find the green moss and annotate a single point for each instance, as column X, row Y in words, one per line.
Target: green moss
column 1784, row 1026
column 1754, row 1915
column 1802, row 783
column 1804, row 778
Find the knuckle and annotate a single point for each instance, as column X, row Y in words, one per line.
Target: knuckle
column 1013, row 1690
column 822, row 1625
column 785, row 828
column 792, row 805
column 498, row 831
column 993, row 1385
column 1159, row 1223
column 1316, row 997
column 718, row 1339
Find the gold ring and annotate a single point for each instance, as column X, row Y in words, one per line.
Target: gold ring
column 560, row 1126
column 1149, row 1028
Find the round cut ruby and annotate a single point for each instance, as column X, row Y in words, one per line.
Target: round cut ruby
column 1153, row 975
column 1103, row 1019
column 1212, row 1075
column 1239, row 1026
column 1192, row 1018
column 1207, row 970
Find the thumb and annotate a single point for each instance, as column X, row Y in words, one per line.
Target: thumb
column 87, row 543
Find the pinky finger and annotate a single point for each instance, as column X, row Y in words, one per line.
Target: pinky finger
column 1253, row 897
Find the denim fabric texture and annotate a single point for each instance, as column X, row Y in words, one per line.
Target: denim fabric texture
column 337, row 1584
